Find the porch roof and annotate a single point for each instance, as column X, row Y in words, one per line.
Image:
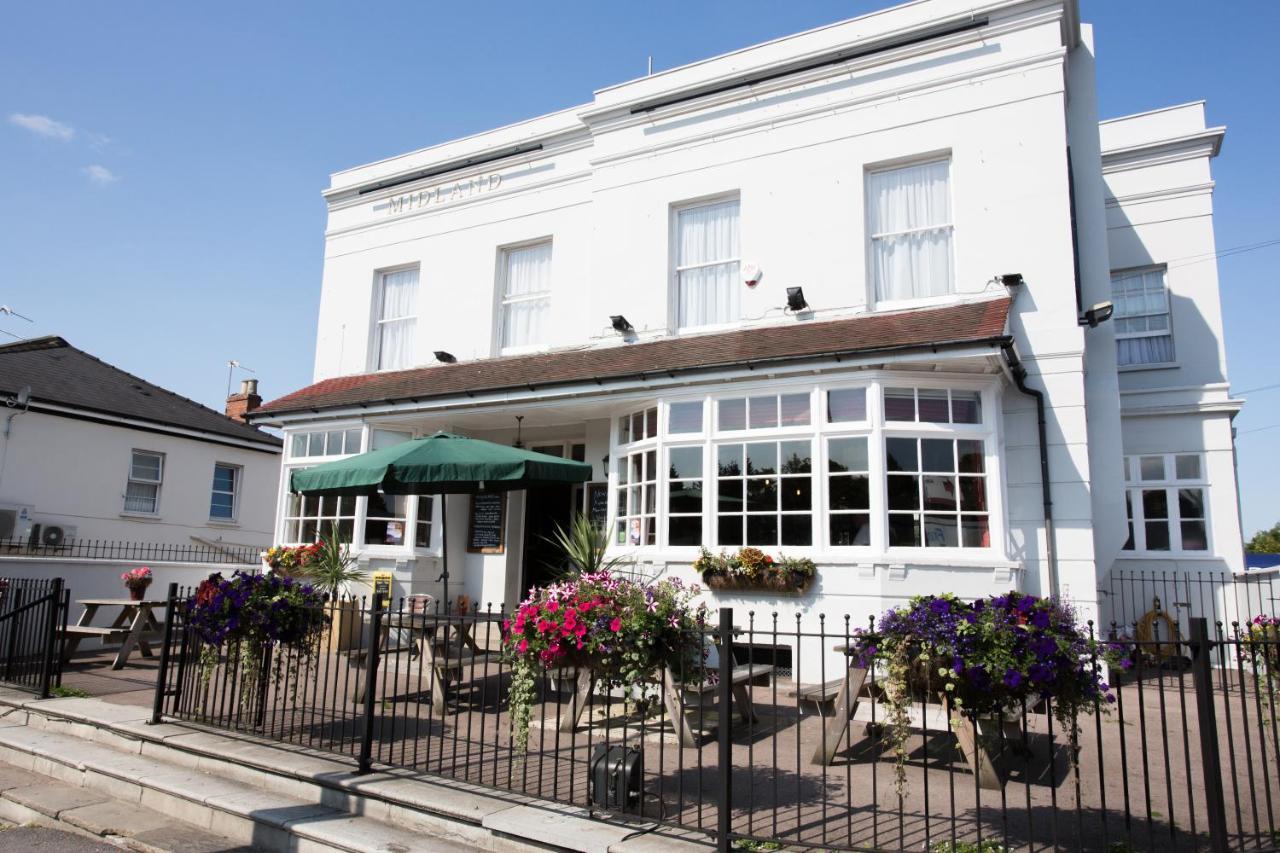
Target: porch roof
column 941, row 327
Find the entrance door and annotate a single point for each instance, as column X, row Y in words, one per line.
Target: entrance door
column 545, row 507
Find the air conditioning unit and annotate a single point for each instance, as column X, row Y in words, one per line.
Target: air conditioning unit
column 52, row 535
column 15, row 521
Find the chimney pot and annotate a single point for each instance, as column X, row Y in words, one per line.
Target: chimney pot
column 241, row 404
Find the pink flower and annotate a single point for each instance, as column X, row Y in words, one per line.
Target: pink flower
column 616, row 625
column 524, row 646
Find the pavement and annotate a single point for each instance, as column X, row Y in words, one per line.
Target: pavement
column 39, row 839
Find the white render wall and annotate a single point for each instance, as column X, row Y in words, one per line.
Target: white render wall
column 74, row 472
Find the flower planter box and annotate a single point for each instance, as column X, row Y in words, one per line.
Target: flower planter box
column 776, row 585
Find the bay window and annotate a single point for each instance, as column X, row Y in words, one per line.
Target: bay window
column 1166, row 503
column 881, row 466
column 910, row 227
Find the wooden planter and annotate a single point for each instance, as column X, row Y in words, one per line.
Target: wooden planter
column 346, row 625
column 779, row 585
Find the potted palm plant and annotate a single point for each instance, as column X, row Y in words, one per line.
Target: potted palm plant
column 332, row 573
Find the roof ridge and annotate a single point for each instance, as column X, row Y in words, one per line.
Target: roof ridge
column 31, row 344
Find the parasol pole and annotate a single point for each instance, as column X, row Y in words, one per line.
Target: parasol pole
column 444, row 548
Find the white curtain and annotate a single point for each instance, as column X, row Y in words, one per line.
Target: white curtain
column 1141, row 318
column 397, row 320
column 527, row 301
column 707, row 264
column 909, row 213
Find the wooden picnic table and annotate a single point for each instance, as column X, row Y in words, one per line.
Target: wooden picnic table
column 131, row 627
column 446, row 644
column 849, row 690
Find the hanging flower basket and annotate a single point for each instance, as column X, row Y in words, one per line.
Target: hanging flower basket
column 619, row 629
column 752, row 570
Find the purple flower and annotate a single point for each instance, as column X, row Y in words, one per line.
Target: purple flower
column 1040, row 619
column 1012, row 678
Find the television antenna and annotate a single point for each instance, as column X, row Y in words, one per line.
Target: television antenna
column 231, row 367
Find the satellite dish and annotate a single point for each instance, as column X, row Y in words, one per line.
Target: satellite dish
column 751, row 274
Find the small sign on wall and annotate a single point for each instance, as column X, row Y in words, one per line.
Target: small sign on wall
column 382, row 583
column 488, row 521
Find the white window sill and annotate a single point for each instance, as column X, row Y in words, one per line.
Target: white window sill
column 923, row 302
column 959, row 558
column 1207, row 556
column 140, row 516
column 1156, row 365
column 223, row 522
column 530, row 349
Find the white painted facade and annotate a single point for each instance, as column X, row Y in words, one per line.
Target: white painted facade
column 73, row 473
column 1002, row 92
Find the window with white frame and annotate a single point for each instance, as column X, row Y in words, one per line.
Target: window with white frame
column 1165, row 500
column 142, row 491
column 802, row 470
column 1143, row 331
column 911, row 230
column 391, row 519
column 526, row 296
column 397, row 323
column 226, row 489
column 308, row 518
column 334, row 442
column 707, row 258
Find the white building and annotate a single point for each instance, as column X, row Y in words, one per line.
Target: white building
column 613, row 279
column 90, row 453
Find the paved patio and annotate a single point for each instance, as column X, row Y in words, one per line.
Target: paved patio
column 1137, row 778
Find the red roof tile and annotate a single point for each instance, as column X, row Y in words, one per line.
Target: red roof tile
column 951, row 325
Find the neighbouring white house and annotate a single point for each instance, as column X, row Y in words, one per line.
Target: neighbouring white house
column 91, row 454
column 841, row 295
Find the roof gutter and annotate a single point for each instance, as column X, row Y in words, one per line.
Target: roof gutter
column 1019, row 374
column 265, row 415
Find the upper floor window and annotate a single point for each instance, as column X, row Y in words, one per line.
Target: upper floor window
column 1143, row 333
column 226, row 488
column 909, row 221
column 142, row 491
column 526, row 295
column 1165, row 503
column 707, row 257
column 334, row 442
column 397, row 322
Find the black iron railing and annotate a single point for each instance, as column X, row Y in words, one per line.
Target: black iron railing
column 1134, row 599
column 1185, row 759
column 102, row 549
column 32, row 616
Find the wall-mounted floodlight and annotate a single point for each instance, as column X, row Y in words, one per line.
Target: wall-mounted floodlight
column 445, row 357
column 1011, row 279
column 621, row 325
column 795, row 299
column 1099, row 313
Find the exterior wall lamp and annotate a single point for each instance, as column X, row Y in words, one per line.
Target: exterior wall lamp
column 1099, row 313
column 1011, row 279
column 445, row 357
column 621, row 325
column 795, row 299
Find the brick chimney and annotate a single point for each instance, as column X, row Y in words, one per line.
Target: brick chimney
column 239, row 405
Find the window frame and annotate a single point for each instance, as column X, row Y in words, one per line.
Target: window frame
column 377, row 322
column 158, row 483
column 502, row 300
column 675, row 267
column 1171, row 485
column 818, row 433
column 880, row 167
column 236, row 483
column 1131, row 272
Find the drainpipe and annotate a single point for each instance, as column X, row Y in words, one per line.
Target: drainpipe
column 1019, row 374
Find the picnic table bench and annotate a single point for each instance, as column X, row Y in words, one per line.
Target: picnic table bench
column 674, row 693
column 845, row 695
column 131, row 628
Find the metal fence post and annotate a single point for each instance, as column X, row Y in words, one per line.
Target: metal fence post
column 724, row 799
column 371, row 685
column 51, row 638
column 16, row 612
column 1210, row 757
column 162, row 676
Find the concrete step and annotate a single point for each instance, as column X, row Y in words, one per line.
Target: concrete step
column 416, row 803
column 88, row 773
column 32, row 799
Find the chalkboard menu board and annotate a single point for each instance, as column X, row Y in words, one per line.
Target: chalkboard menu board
column 488, row 517
column 598, row 503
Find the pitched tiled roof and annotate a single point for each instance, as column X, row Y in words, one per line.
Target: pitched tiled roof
column 60, row 374
column 951, row 325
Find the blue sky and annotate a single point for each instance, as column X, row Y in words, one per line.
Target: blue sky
column 161, row 182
